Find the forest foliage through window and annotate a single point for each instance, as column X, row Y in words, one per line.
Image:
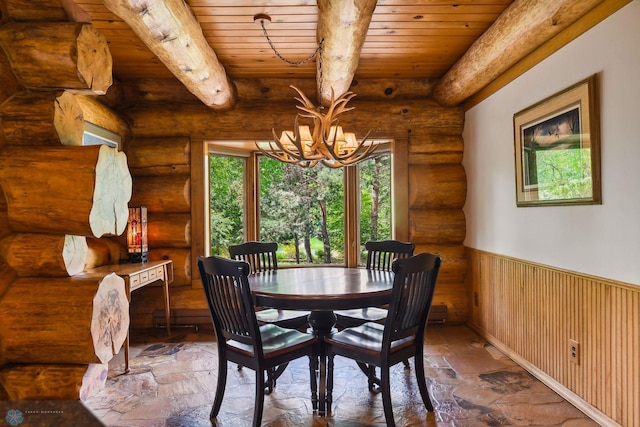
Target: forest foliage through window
column 226, row 202
column 301, row 209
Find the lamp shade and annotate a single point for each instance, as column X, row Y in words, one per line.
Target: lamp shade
column 287, row 139
column 305, row 137
column 137, row 237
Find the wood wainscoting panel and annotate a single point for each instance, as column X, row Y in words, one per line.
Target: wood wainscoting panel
column 532, row 312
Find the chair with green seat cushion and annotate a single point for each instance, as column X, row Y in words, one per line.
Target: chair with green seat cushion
column 402, row 335
column 380, row 256
column 261, row 256
column 239, row 337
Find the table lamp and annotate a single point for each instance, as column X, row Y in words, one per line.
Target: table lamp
column 137, row 237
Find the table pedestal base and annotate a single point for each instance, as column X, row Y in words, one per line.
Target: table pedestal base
column 321, row 290
column 322, row 324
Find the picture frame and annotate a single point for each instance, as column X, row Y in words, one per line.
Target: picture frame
column 557, row 148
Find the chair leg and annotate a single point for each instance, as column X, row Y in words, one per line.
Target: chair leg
column 371, row 373
column 323, row 385
column 257, row 410
column 386, row 396
column 373, row 381
column 270, row 383
column 329, row 384
column 277, row 372
column 222, row 384
column 422, row 384
column 313, row 380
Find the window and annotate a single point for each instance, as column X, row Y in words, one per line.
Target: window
column 302, row 210
column 319, row 215
column 94, row 135
column 226, row 202
column 375, row 201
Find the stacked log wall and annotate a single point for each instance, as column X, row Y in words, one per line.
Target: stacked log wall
column 54, row 118
column 8, row 87
column 161, row 181
column 437, row 181
column 57, row 333
column 9, row 84
column 50, row 320
column 77, row 56
column 28, row 10
column 437, row 193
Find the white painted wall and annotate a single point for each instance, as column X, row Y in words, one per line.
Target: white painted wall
column 600, row 240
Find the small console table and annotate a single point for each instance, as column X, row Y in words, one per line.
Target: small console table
column 136, row 276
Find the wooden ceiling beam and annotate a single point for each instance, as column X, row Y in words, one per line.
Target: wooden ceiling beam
column 171, row 31
column 343, row 26
column 521, row 28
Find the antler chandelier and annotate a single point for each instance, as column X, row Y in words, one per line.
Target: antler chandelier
column 325, row 141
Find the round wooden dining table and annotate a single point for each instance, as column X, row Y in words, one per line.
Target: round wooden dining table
column 321, row 290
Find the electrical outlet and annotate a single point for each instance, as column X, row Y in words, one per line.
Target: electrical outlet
column 574, row 351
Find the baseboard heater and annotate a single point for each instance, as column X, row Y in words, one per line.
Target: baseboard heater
column 201, row 318
column 438, row 314
column 195, row 318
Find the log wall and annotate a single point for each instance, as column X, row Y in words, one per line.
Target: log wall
column 76, row 190
column 531, row 311
column 52, row 382
column 54, row 118
column 57, row 333
column 77, row 56
column 161, row 181
column 64, row 320
column 437, row 192
column 436, row 181
column 9, row 84
column 28, row 10
column 46, row 255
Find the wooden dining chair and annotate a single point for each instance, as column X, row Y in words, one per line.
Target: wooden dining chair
column 239, row 337
column 401, row 336
column 261, row 256
column 380, row 256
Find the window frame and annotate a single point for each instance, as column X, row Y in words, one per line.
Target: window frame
column 247, row 179
column 200, row 150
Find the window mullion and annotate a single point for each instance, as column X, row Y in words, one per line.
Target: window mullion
column 351, row 215
column 252, row 198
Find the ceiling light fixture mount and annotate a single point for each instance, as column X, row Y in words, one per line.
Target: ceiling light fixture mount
column 325, row 142
column 261, row 17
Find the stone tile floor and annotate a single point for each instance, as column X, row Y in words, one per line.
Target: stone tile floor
column 172, row 383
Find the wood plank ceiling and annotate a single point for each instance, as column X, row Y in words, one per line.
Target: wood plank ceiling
column 461, row 45
column 406, row 39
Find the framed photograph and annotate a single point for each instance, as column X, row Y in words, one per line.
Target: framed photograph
column 557, row 148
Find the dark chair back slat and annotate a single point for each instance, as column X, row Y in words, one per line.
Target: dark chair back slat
column 413, row 288
column 228, row 295
column 382, row 253
column 261, row 256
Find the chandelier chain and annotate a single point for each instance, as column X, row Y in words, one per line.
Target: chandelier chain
column 319, row 52
column 325, row 142
column 296, row 63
